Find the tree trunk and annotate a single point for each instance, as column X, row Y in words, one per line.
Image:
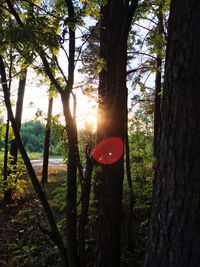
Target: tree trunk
column 72, row 165
column 130, row 185
column 117, row 19
column 19, row 109
column 7, row 198
column 46, row 144
column 158, row 86
column 174, row 227
column 85, row 206
column 18, row 118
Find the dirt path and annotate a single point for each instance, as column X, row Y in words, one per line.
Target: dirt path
column 57, row 162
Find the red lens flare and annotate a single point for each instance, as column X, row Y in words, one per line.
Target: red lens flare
column 108, row 151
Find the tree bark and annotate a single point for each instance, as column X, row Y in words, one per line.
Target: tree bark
column 85, row 205
column 46, row 144
column 117, row 19
column 174, row 226
column 72, row 165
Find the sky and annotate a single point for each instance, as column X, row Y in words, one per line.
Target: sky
column 36, row 99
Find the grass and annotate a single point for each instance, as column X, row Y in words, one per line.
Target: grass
column 32, row 155
column 35, row 155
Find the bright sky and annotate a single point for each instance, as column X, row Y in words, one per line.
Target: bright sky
column 36, row 93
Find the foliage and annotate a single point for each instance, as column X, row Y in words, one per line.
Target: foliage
column 87, row 137
column 147, row 43
column 15, row 179
column 59, row 141
column 33, row 133
column 141, row 157
column 3, row 133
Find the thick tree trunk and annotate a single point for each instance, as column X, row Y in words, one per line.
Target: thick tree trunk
column 117, row 19
column 46, row 144
column 174, row 227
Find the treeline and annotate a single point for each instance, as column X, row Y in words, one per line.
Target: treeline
column 33, row 136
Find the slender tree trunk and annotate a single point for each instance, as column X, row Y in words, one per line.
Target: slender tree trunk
column 19, row 109
column 174, row 226
column 118, row 18
column 46, row 144
column 7, row 191
column 85, row 204
column 73, row 161
column 130, row 185
column 18, row 118
column 158, row 86
column 54, row 234
column 5, row 164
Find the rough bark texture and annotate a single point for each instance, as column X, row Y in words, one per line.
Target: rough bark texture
column 46, row 143
column 116, row 18
column 174, row 227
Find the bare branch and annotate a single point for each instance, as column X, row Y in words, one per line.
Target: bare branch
column 50, row 74
column 142, row 53
column 71, row 47
column 60, row 69
column 135, row 70
column 14, row 13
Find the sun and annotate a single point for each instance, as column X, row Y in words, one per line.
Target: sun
column 90, row 121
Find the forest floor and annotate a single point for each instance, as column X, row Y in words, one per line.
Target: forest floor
column 22, row 243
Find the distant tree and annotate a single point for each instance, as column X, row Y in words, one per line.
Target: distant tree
column 33, row 134
column 47, row 143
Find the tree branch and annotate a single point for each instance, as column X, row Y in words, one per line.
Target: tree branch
column 71, row 47
column 50, row 74
column 60, row 69
column 14, row 13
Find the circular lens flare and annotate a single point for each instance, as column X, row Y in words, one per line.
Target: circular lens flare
column 108, row 151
